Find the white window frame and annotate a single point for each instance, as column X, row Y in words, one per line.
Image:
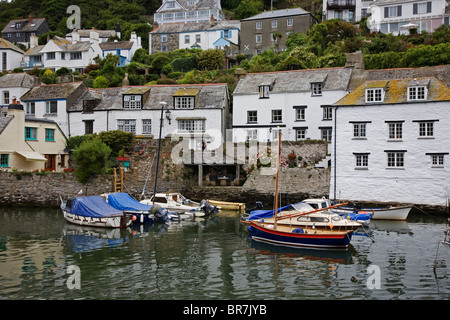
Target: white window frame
column 258, row 38
column 258, row 25
column 300, row 134
column 49, row 107
column 187, row 39
column 327, row 112
column 251, row 134
column 360, row 130
column 374, row 95
column 163, row 38
column 316, row 88
column 277, row 115
column 361, row 160
column 252, row 116
column 417, row 93
column 132, row 102
column 395, row 159
column 395, row 130
column 274, row 23
column 289, row 22
column 184, row 102
column 127, row 125
column 146, row 126
column 300, row 114
column 191, row 125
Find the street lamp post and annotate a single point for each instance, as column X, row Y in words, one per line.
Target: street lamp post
column 162, row 104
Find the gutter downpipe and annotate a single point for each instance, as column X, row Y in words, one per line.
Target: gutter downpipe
column 334, row 169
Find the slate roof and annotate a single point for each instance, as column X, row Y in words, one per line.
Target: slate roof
column 5, row 44
column 34, row 51
column 208, row 96
column 396, row 91
column 106, row 46
column 87, row 33
column 4, row 121
column 196, row 26
column 295, row 80
column 68, row 46
column 13, row 80
column 28, row 26
column 277, row 14
column 51, row 91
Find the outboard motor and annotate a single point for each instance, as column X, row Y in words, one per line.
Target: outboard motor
column 208, row 208
column 259, row 206
column 160, row 214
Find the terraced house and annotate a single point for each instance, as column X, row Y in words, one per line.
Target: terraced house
column 391, row 136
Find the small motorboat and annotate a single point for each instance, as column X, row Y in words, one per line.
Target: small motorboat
column 176, row 202
column 231, row 206
column 93, row 211
column 399, row 213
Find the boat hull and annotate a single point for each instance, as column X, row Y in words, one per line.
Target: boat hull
column 232, row 206
column 105, row 222
column 329, row 241
column 394, row 213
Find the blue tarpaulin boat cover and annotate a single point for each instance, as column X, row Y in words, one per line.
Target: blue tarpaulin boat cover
column 93, row 206
column 260, row 214
column 123, row 201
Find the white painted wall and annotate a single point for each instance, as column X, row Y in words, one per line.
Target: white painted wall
column 417, row 182
column 13, row 59
column 286, row 102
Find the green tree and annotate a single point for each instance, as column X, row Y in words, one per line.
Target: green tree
column 117, row 140
column 91, row 158
column 211, row 59
column 100, row 82
column 248, row 8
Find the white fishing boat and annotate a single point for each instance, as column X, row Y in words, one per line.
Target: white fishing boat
column 93, row 211
column 176, row 202
column 387, row 213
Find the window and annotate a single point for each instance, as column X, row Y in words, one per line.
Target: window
column 300, row 113
column 300, row 134
column 316, row 89
column 163, row 37
column 146, row 126
column 361, row 160
column 258, row 25
column 227, row 34
column 49, row 134
column 30, row 108
column 277, row 116
column 30, row 133
column 422, row 8
column 75, row 56
column 127, row 125
column 258, row 38
column 426, row 129
column 395, row 130
column 416, row 93
column 164, row 48
column 89, row 106
column 326, row 133
column 374, row 95
column 395, row 11
column 274, row 23
column 63, row 56
column 437, row 159
column 198, row 38
column 264, row 91
column 5, row 97
column 187, row 39
column 50, row 56
column 184, row 102
column 191, row 125
column 4, row 160
column 132, row 102
column 88, row 126
column 395, row 159
column 252, row 116
column 359, row 130
column 327, row 112
column 290, row 22
column 251, row 134
column 4, row 61
column 171, row 4
column 51, row 107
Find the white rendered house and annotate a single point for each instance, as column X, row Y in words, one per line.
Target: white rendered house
column 391, row 143
column 186, row 11
column 400, row 16
column 14, row 85
column 297, row 102
column 10, row 56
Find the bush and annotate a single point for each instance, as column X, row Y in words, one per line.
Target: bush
column 62, row 71
column 100, row 82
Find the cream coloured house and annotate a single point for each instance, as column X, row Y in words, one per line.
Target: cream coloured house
column 29, row 144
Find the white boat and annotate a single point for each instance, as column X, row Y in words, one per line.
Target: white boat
column 447, row 234
column 323, row 203
column 93, row 211
column 176, row 202
column 388, row 213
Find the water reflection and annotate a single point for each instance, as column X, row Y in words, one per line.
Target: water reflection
column 212, row 259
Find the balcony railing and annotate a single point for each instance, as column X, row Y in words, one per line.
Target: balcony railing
column 341, row 4
column 31, row 64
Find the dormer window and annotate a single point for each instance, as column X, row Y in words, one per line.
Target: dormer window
column 417, row 93
column 184, row 102
column 171, row 4
column 132, row 101
column 264, row 91
column 374, row 95
column 316, row 88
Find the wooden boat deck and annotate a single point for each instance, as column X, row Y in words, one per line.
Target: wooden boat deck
column 307, row 230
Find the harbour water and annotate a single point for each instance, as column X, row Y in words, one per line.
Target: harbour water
column 44, row 257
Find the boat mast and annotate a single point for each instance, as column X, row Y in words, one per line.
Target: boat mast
column 276, row 184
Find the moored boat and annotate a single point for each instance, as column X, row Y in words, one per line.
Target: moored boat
column 387, row 213
column 93, row 211
column 231, row 206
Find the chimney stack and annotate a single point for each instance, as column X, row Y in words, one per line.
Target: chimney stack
column 30, row 18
